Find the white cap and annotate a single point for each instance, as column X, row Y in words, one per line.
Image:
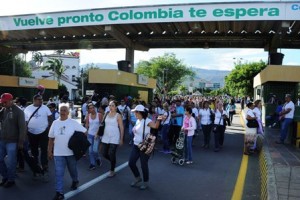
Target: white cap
column 139, row 108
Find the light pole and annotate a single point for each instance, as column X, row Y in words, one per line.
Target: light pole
column 82, row 83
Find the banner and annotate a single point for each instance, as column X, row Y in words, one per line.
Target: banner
column 156, row 14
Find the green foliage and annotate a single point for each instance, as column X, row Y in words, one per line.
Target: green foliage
column 56, row 66
column 166, row 69
column 6, row 66
column 240, row 81
column 37, row 57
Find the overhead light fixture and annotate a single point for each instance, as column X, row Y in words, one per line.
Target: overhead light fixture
column 94, row 35
column 64, row 36
column 45, row 38
column 140, row 33
column 271, row 32
column 36, row 37
column 257, row 32
column 54, row 37
column 74, row 36
column 203, row 31
column 164, row 32
column 177, row 32
column 216, row 32
column 151, row 33
column 243, row 31
column 128, row 33
column 190, row 31
column 105, row 34
column 83, row 35
column 206, row 46
column 230, row 31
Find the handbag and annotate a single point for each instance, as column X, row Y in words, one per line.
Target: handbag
column 102, row 126
column 252, row 123
column 147, row 146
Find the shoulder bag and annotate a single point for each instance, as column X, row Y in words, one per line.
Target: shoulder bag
column 32, row 116
column 102, row 126
column 147, row 146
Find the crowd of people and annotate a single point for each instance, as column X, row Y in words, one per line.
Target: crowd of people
column 37, row 133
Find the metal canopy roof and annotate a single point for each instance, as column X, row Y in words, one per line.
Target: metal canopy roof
column 144, row 36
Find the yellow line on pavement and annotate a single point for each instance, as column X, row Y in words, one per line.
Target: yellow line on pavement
column 240, row 183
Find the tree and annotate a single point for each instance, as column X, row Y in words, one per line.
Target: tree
column 60, row 51
column 167, row 70
column 240, row 81
column 6, row 65
column 56, row 66
column 37, row 57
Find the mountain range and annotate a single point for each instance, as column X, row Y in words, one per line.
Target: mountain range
column 206, row 75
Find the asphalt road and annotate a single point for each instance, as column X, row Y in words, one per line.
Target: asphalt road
column 211, row 176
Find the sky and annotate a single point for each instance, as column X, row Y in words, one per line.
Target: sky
column 218, row 59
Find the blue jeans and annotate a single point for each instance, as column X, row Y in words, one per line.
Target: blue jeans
column 8, row 171
column 93, row 155
column 188, row 150
column 165, row 136
column 60, row 165
column 134, row 156
column 284, row 128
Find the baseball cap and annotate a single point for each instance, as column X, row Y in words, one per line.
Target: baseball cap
column 6, row 97
column 139, row 108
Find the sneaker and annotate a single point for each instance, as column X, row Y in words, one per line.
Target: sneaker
column 136, row 182
column 189, row 162
column 144, row 186
column 74, row 185
column 59, row 196
column 92, row 167
column 3, row 182
column 9, row 184
column 111, row 174
column 274, row 125
column 99, row 162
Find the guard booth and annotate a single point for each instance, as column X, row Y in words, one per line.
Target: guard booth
column 274, row 82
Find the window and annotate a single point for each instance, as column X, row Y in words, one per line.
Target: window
column 73, row 67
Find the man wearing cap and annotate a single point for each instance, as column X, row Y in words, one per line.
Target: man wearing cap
column 12, row 135
column 287, row 115
column 39, row 118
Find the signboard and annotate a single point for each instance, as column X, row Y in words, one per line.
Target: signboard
column 142, row 80
column 159, row 13
column 28, row 82
column 89, row 92
column 209, row 85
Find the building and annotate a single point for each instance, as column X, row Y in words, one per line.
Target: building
column 69, row 77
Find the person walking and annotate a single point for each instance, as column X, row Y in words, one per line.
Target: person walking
column 12, row 136
column 231, row 109
column 189, row 127
column 165, row 128
column 286, row 115
column 113, row 136
column 206, row 117
column 251, row 133
column 141, row 128
column 60, row 133
column 39, row 118
column 219, row 126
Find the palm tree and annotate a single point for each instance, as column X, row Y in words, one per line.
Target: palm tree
column 60, row 51
column 56, row 66
column 37, row 57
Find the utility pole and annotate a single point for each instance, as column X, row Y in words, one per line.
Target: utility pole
column 82, row 83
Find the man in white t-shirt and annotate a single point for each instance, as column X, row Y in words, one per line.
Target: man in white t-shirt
column 287, row 114
column 38, row 118
column 59, row 135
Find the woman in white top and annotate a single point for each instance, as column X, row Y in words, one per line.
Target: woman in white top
column 258, row 114
column 92, row 123
column 205, row 114
column 113, row 136
column 141, row 114
column 220, row 116
column 250, row 136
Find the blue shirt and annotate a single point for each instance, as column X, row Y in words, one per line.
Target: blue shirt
column 179, row 120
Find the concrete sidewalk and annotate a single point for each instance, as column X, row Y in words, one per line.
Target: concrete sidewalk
column 284, row 161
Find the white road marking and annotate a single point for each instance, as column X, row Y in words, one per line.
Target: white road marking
column 93, row 182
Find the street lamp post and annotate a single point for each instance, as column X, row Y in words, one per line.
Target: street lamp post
column 82, row 83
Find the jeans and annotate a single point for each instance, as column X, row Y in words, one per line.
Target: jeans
column 109, row 152
column 174, row 133
column 134, row 156
column 130, row 127
column 284, row 128
column 93, row 155
column 188, row 150
column 60, row 165
column 36, row 141
column 206, row 132
column 165, row 136
column 8, row 171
